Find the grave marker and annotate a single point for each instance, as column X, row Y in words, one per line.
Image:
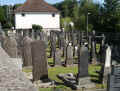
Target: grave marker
column 39, row 61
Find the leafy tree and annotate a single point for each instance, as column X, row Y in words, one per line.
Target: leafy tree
column 2, row 15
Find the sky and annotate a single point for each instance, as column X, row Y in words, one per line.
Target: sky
column 2, row 2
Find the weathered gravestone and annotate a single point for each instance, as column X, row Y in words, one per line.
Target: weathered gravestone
column 19, row 39
column 2, row 38
column 39, row 60
column 44, row 38
column 53, row 45
column 65, row 49
column 83, row 78
column 75, row 52
column 27, row 57
column 69, row 55
column 57, row 57
column 10, row 46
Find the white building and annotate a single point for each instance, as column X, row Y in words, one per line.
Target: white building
column 37, row 12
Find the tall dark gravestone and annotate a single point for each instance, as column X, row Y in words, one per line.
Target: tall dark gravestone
column 53, row 44
column 65, row 49
column 83, row 78
column 69, row 55
column 83, row 62
column 39, row 60
column 27, row 57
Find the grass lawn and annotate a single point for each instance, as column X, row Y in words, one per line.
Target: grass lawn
column 54, row 71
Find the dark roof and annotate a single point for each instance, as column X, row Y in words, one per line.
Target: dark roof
column 36, row 6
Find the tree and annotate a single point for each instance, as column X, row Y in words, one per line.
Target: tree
column 2, row 15
column 111, row 12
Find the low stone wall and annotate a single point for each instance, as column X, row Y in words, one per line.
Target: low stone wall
column 11, row 78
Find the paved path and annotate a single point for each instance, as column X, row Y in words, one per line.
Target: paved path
column 11, row 78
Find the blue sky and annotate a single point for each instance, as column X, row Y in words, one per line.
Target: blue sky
column 22, row 1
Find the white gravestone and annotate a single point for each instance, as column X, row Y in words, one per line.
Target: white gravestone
column 108, row 57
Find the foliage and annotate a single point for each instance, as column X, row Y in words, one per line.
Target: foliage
column 102, row 17
column 65, row 23
column 37, row 27
column 54, row 71
column 7, row 25
column 2, row 17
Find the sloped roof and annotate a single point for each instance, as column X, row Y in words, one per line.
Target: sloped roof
column 36, row 6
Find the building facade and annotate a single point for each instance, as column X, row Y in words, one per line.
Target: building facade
column 37, row 12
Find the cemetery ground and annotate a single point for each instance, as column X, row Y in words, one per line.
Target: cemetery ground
column 54, row 71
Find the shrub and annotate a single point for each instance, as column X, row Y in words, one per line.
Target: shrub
column 37, row 27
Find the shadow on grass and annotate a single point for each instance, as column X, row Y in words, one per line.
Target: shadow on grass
column 51, row 64
column 96, row 79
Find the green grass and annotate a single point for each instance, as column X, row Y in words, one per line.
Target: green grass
column 54, row 71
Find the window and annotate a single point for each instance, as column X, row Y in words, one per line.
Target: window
column 23, row 14
column 53, row 15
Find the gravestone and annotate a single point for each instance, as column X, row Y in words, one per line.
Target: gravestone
column 65, row 49
column 0, row 28
column 83, row 62
column 75, row 52
column 107, row 67
column 33, row 34
column 93, row 49
column 44, row 38
column 62, row 40
column 53, row 45
column 83, row 78
column 114, row 79
column 69, row 55
column 57, row 57
column 10, row 46
column 27, row 57
column 39, row 60
column 19, row 40
column 2, row 38
column 74, row 39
